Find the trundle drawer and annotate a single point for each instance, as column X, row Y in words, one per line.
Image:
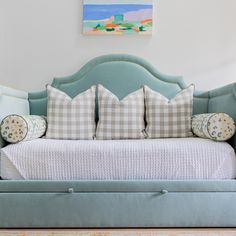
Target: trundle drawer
column 117, row 209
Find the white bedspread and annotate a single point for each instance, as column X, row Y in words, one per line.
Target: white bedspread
column 181, row 158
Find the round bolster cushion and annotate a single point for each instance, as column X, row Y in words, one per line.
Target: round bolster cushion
column 215, row 126
column 17, row 128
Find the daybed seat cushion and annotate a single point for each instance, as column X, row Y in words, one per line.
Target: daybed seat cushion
column 176, row 158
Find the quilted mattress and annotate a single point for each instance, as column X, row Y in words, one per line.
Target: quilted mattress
column 176, row 158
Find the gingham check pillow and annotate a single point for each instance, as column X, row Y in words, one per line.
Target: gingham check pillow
column 169, row 118
column 71, row 118
column 120, row 119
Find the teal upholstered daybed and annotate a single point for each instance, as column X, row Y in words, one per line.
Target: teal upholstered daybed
column 156, row 203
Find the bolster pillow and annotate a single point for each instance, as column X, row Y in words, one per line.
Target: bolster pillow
column 17, row 128
column 215, row 126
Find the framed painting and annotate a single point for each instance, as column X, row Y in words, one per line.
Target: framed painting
column 118, row 17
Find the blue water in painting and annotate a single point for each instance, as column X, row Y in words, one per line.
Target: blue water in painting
column 100, row 12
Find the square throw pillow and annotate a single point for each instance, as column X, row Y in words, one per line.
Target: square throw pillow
column 120, row 119
column 71, row 118
column 168, row 118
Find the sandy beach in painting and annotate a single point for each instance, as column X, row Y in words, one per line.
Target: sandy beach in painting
column 133, row 17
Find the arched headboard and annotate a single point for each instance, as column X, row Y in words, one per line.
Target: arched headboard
column 121, row 74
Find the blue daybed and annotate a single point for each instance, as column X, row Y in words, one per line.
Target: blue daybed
column 107, row 204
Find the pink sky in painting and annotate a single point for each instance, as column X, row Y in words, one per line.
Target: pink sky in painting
column 138, row 15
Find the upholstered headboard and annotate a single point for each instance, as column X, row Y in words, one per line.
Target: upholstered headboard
column 123, row 74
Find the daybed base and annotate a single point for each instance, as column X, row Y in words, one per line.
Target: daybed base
column 101, row 204
column 114, row 204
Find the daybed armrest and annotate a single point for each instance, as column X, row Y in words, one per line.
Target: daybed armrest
column 12, row 101
column 224, row 100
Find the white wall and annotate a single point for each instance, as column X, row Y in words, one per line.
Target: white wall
column 41, row 39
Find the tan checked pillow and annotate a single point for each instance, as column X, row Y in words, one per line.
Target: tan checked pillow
column 169, row 118
column 71, row 118
column 120, row 119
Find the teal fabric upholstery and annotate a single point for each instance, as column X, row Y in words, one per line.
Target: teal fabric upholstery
column 115, row 210
column 12, row 101
column 121, row 74
column 31, row 186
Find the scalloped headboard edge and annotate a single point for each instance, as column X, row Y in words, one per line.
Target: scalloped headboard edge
column 117, row 72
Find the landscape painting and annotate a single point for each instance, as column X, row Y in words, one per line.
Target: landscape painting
column 118, row 17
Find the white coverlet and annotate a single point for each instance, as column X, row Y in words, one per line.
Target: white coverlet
column 176, row 158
